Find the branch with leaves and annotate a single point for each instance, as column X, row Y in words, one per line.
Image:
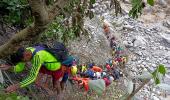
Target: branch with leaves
column 146, row 76
column 42, row 17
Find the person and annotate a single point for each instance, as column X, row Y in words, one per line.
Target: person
column 42, row 62
column 113, row 43
column 83, row 68
column 89, row 73
column 108, row 67
column 108, row 80
column 96, row 69
column 98, row 85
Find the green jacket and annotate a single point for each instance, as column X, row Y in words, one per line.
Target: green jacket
column 39, row 59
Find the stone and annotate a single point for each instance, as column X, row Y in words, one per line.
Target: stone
column 134, row 58
column 139, row 41
column 155, row 98
column 164, row 61
column 153, row 65
column 166, row 37
column 166, row 24
column 128, row 44
column 140, row 61
column 160, row 47
column 168, row 62
column 162, row 2
column 147, row 59
column 128, row 27
column 126, row 1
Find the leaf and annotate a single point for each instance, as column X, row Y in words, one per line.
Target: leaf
column 130, row 87
column 91, row 15
column 150, row 2
column 164, row 86
column 145, row 75
column 162, row 69
column 137, row 7
column 92, row 1
column 157, row 81
column 154, row 73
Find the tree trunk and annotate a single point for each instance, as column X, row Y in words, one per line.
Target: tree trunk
column 42, row 17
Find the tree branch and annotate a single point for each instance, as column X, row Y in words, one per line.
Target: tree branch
column 42, row 18
column 58, row 6
column 137, row 90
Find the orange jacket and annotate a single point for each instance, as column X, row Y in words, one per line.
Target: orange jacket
column 84, row 82
column 96, row 69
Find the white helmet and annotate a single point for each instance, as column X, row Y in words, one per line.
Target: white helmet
column 111, row 78
column 98, row 75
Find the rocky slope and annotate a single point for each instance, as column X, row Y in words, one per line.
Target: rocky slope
column 147, row 39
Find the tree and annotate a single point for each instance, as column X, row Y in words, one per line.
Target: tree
column 43, row 15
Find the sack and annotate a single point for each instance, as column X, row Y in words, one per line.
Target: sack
column 98, row 86
column 59, row 50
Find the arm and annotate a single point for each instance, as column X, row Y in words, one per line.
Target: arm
column 17, row 68
column 33, row 73
column 5, row 67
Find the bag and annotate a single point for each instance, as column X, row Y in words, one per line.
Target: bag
column 59, row 50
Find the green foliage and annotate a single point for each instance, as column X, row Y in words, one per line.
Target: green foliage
column 18, row 11
column 58, row 31
column 92, row 1
column 158, row 72
column 162, row 69
column 150, row 2
column 137, row 7
column 117, row 6
column 11, row 96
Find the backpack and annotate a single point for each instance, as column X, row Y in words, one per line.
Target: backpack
column 59, row 50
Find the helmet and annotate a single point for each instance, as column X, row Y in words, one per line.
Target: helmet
column 74, row 70
column 68, row 62
column 91, row 65
column 111, row 78
column 98, row 75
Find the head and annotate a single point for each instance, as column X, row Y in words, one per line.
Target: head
column 74, row 70
column 68, row 62
column 91, row 65
column 24, row 55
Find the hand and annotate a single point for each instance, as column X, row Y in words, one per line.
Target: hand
column 4, row 67
column 12, row 88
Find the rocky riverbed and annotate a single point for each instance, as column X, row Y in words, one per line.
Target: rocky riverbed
column 147, row 38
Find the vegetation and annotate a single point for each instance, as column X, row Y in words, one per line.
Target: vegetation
column 53, row 19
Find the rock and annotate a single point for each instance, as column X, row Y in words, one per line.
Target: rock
column 140, row 41
column 160, row 59
column 126, row 1
column 164, row 61
column 166, row 24
column 139, row 53
column 160, row 47
column 153, row 48
column 168, row 62
column 166, row 37
column 128, row 44
column 147, row 59
column 144, row 63
column 128, row 27
column 155, row 98
column 140, row 61
column 153, row 65
column 162, row 2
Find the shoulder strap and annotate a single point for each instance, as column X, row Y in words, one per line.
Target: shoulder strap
column 37, row 48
